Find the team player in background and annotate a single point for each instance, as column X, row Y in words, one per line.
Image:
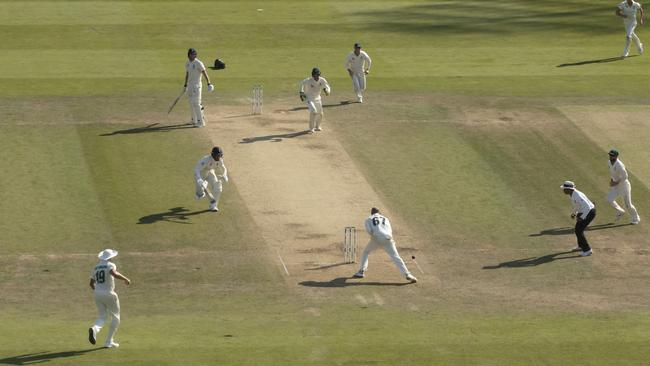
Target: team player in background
column 194, row 69
column 358, row 64
column 619, row 185
column 310, row 90
column 381, row 235
column 108, row 304
column 207, row 180
column 627, row 10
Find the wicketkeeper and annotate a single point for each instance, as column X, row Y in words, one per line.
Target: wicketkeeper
column 194, row 69
column 207, row 180
column 310, row 90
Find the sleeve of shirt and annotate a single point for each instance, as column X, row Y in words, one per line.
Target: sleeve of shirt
column 92, row 273
column 389, row 228
column 369, row 61
column 368, row 225
column 201, row 66
column 347, row 62
column 622, row 173
column 198, row 168
column 326, row 86
column 111, row 267
column 302, row 86
column 224, row 171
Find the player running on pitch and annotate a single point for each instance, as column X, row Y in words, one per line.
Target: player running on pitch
column 627, row 10
column 310, row 90
column 194, row 69
column 207, row 180
column 619, row 185
column 381, row 235
column 358, row 64
column 108, row 304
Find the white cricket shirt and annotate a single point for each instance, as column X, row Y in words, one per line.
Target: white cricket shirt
column 207, row 163
column 629, row 10
column 355, row 63
column 312, row 88
column 194, row 69
column 581, row 204
column 104, row 281
column 379, row 227
column 617, row 170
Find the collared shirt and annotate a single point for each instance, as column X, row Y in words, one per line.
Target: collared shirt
column 617, row 170
column 629, row 10
column 312, row 88
column 581, row 204
column 207, row 163
column 102, row 275
column 379, row 227
column 355, row 63
column 194, row 70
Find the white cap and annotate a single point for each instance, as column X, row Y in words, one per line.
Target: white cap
column 568, row 185
column 107, row 254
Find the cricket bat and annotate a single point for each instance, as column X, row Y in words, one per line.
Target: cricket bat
column 175, row 101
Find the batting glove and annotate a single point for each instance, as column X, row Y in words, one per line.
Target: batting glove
column 210, row 87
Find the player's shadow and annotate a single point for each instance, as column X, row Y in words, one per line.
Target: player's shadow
column 273, row 138
column 39, row 357
column 599, row 61
column 179, row 215
column 154, row 127
column 327, row 266
column 343, row 282
column 570, row 230
column 341, row 103
column 534, row 261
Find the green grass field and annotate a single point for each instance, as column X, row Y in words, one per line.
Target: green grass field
column 475, row 114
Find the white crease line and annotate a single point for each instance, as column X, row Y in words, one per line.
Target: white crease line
column 283, row 265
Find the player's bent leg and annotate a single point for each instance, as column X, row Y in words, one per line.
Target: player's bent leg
column 391, row 249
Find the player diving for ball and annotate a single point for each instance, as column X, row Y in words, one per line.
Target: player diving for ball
column 310, row 90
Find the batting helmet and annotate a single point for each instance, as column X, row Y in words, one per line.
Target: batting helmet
column 216, row 151
column 315, row 71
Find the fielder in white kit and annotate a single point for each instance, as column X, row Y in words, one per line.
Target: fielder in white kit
column 358, row 64
column 381, row 235
column 108, row 304
column 619, row 185
column 207, row 180
column 194, row 69
column 627, row 10
column 310, row 90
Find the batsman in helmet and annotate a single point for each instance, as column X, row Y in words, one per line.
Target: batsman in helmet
column 209, row 173
column 310, row 90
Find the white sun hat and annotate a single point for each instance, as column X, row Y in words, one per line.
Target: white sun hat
column 107, row 254
column 568, row 185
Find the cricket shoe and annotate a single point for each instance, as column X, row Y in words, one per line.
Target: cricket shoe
column 641, row 49
column 576, row 249
column 359, row 99
column 619, row 215
column 111, row 345
column 92, row 337
column 319, row 128
column 311, row 131
column 626, row 54
column 411, row 278
column 213, row 206
column 359, row 274
column 587, row 253
column 636, row 222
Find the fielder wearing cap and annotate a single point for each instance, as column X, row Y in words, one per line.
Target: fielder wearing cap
column 358, row 64
column 619, row 185
column 584, row 211
column 194, row 69
column 627, row 10
column 381, row 235
column 207, row 180
column 108, row 304
column 310, row 90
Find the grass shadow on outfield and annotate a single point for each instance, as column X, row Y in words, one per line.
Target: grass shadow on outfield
column 150, row 128
column 273, row 138
column 570, row 230
column 599, row 61
column 534, row 261
column 34, row 358
column 343, row 282
column 178, row 215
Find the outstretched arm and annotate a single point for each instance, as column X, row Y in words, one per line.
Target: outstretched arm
column 117, row 274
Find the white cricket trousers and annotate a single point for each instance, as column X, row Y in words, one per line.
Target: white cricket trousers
column 108, row 304
column 196, row 108
column 359, row 83
column 624, row 190
column 315, row 107
column 630, row 35
column 391, row 250
column 214, row 185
